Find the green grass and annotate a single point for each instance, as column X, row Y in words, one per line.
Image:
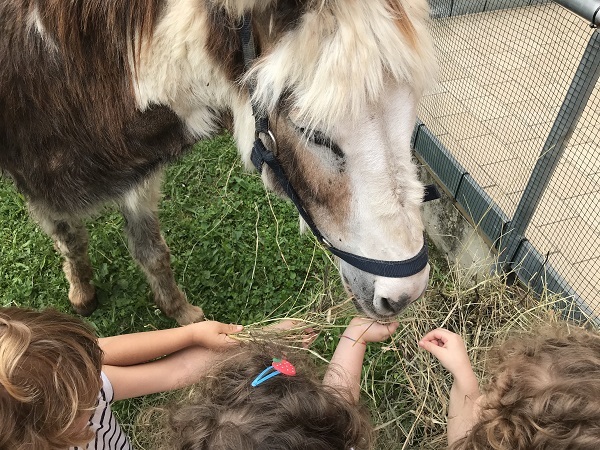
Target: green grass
column 236, row 249
column 236, row 252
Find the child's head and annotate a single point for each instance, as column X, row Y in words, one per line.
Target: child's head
column 298, row 412
column 50, row 366
column 544, row 392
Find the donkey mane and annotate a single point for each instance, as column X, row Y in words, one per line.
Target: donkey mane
column 340, row 56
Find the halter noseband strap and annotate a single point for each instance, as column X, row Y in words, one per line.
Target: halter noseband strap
column 261, row 155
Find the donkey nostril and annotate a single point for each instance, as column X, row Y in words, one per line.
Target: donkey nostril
column 389, row 306
column 385, row 304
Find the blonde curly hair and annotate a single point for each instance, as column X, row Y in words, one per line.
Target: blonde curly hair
column 544, row 393
column 50, row 366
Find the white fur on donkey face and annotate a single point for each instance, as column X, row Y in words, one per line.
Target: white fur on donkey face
column 385, row 220
column 385, row 215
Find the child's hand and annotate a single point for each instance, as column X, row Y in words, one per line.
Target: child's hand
column 449, row 349
column 365, row 330
column 307, row 334
column 285, row 324
column 213, row 335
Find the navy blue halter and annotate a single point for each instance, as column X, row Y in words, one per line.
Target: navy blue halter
column 262, row 155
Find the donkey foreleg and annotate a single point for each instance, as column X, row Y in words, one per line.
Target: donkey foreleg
column 151, row 252
column 71, row 241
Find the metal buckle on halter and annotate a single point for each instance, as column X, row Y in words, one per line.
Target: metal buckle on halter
column 326, row 243
column 260, row 134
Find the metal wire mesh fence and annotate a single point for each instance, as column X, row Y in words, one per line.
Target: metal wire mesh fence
column 512, row 131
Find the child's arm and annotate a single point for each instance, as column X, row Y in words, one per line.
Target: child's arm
column 450, row 350
column 135, row 348
column 345, row 368
column 189, row 349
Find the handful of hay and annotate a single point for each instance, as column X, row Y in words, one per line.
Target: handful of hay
column 409, row 395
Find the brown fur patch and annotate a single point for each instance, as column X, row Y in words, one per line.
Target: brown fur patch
column 83, row 26
column 70, row 132
column 281, row 17
column 224, row 45
column 321, row 188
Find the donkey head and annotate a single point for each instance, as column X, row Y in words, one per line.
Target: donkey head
column 339, row 82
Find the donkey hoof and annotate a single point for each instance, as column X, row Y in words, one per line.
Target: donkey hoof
column 188, row 314
column 86, row 309
column 83, row 298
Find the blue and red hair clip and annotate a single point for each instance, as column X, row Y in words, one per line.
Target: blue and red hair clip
column 278, row 366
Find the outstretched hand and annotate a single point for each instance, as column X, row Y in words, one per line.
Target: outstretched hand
column 349, row 354
column 306, row 334
column 214, row 335
column 369, row 330
column 449, row 349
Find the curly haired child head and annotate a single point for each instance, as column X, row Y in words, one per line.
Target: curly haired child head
column 50, row 366
column 225, row 412
column 543, row 393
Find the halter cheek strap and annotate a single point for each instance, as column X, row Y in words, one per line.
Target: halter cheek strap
column 389, row 269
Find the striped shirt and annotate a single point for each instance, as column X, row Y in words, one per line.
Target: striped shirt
column 109, row 435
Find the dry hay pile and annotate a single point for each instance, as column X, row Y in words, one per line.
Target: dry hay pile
column 406, row 388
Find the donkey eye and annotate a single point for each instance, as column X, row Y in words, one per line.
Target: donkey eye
column 322, row 140
column 318, row 138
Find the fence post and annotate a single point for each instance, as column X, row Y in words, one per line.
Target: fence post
column 570, row 111
column 588, row 9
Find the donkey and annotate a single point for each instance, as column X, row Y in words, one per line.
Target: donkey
column 96, row 97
